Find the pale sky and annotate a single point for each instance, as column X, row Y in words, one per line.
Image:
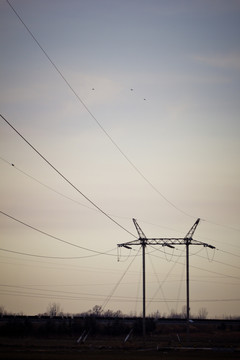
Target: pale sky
column 158, row 107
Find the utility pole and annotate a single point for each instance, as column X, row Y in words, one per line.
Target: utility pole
column 143, row 241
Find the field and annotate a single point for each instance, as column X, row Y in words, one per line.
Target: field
column 99, row 347
column 57, row 339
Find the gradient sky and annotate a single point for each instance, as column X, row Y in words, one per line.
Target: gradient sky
column 178, row 126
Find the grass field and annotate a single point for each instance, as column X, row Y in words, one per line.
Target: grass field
column 228, row 347
column 118, row 355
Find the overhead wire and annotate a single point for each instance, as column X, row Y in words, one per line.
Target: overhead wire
column 69, row 295
column 51, row 236
column 158, row 280
column 219, row 262
column 101, row 126
column 14, row 166
column 92, row 208
column 229, row 253
column 203, row 257
column 68, row 181
column 98, row 297
column 45, row 185
column 98, row 253
column 118, row 283
column 70, row 267
column 54, row 257
column 165, row 278
column 203, row 269
column 92, row 115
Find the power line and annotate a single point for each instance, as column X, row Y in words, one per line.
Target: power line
column 203, row 257
column 78, row 246
column 166, row 277
column 100, row 125
column 94, row 209
column 56, row 191
column 225, row 226
column 57, row 291
column 68, row 181
column 220, row 262
column 203, row 269
column 230, row 253
column 160, row 287
column 52, row 236
column 92, row 115
column 54, row 257
column 45, row 185
column 118, row 283
column 99, row 297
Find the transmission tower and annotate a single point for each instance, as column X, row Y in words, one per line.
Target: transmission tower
column 143, row 241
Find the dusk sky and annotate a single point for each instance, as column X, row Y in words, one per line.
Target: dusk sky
column 136, row 103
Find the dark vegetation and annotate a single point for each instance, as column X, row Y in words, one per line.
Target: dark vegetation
column 112, row 335
column 99, row 337
column 169, row 330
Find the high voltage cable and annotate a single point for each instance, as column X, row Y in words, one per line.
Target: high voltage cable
column 165, row 278
column 71, row 295
column 94, row 209
column 101, row 127
column 46, row 186
column 64, row 177
column 57, row 291
column 203, row 257
column 118, row 283
column 227, row 252
column 83, row 248
column 100, row 296
column 56, row 191
column 92, row 115
column 161, row 288
column 203, row 269
column 53, row 237
column 54, row 257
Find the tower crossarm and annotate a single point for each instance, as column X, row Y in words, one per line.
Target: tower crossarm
column 166, row 241
column 176, row 241
column 169, row 242
column 130, row 243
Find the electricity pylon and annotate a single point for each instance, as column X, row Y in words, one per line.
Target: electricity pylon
column 169, row 242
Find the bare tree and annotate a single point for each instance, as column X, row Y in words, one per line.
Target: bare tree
column 2, row 310
column 202, row 313
column 97, row 310
column 53, row 309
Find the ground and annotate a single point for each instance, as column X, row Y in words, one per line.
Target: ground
column 220, row 345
